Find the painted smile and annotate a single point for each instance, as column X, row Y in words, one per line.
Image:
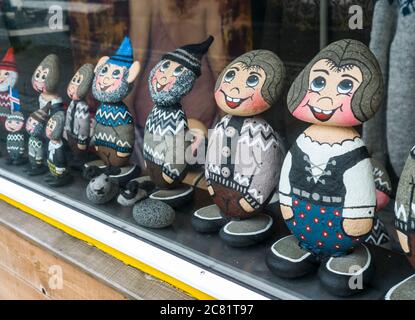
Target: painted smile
column 103, row 87
column 322, row 115
column 160, row 87
column 233, row 103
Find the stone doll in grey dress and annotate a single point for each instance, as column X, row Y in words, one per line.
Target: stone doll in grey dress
column 16, row 145
column 78, row 121
column 35, row 127
column 244, row 155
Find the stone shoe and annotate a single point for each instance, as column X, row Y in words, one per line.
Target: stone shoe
column 208, row 219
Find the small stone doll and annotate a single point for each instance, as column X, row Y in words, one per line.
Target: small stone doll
column 57, row 162
column 327, row 191
column 16, row 145
column 45, row 81
column 165, row 137
column 114, row 127
column 405, row 227
column 9, row 96
column 78, row 123
column 35, row 127
column 244, row 155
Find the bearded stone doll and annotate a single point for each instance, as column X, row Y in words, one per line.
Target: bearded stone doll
column 244, row 154
column 35, row 127
column 405, row 227
column 114, row 124
column 78, row 123
column 9, row 96
column 59, row 174
column 45, row 81
column 166, row 139
column 16, row 145
column 327, row 191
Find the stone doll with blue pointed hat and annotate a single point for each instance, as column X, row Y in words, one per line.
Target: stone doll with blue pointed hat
column 9, row 96
column 114, row 125
column 166, row 138
column 244, row 154
column 16, row 145
column 327, row 191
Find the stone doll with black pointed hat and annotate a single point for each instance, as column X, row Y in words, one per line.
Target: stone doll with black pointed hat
column 166, row 137
column 405, row 227
column 16, row 145
column 245, row 154
column 45, row 81
column 114, row 125
column 327, row 191
column 35, row 127
column 59, row 174
column 9, row 95
column 78, row 120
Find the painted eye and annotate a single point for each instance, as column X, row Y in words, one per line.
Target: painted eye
column 252, row 81
column 318, row 84
column 345, row 86
column 165, row 66
column 37, row 76
column 6, row 74
column 229, row 76
column 178, row 71
column 104, row 70
column 44, row 77
column 116, row 73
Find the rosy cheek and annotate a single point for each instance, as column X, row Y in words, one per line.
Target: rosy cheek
column 302, row 111
column 170, row 84
column 345, row 118
column 219, row 97
column 257, row 104
column 116, row 84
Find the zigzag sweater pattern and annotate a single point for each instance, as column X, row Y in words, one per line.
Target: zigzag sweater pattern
column 114, row 127
column 164, row 139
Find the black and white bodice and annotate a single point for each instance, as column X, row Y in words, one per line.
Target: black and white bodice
column 337, row 175
column 245, row 154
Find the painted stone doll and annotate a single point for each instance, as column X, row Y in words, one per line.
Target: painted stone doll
column 45, row 81
column 78, row 123
column 244, row 155
column 35, row 127
column 57, row 163
column 405, row 227
column 114, row 127
column 16, row 145
column 327, row 191
column 166, row 133
column 9, row 96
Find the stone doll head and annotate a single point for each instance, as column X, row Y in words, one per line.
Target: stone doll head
column 250, row 84
column 8, row 71
column 35, row 124
column 81, row 82
column 114, row 76
column 45, row 79
column 15, row 122
column 174, row 76
column 341, row 86
column 55, row 125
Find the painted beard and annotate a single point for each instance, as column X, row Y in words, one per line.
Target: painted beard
column 38, row 130
column 113, row 96
column 10, row 82
column 182, row 86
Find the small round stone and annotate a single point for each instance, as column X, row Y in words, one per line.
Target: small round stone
column 152, row 213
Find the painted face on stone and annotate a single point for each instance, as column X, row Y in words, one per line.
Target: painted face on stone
column 39, row 79
column 7, row 79
column 239, row 92
column 50, row 126
column 328, row 100
column 14, row 125
column 169, row 81
column 109, row 78
column 73, row 86
column 33, row 127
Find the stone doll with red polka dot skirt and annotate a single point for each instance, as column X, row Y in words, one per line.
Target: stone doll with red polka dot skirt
column 244, row 155
column 327, row 191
